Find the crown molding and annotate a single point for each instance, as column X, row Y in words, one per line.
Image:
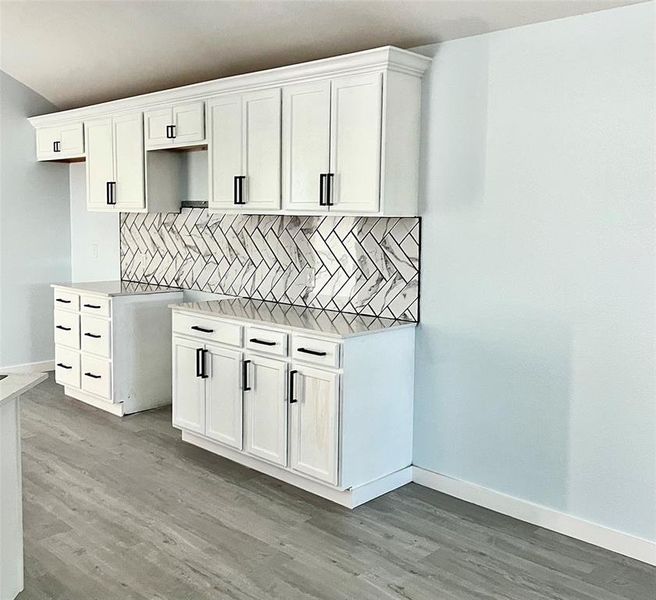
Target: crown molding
column 386, row 58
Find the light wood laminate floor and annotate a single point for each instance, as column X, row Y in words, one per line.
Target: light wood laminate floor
column 122, row 509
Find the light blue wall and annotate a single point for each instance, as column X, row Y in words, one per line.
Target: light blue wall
column 34, row 230
column 535, row 355
column 95, row 249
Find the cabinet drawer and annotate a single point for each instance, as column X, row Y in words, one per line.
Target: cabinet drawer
column 67, row 366
column 207, row 329
column 94, row 335
column 95, row 305
column 316, row 351
column 95, row 374
column 266, row 340
column 67, row 329
column 66, row 300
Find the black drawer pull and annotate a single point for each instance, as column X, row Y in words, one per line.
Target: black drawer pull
column 292, row 381
column 92, row 306
column 63, row 328
column 312, row 352
column 238, row 189
column 92, row 375
column 63, row 366
column 199, row 362
column 63, row 301
column 263, row 342
column 202, row 329
column 244, row 376
column 93, row 335
column 203, row 364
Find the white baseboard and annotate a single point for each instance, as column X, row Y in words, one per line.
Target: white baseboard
column 542, row 516
column 35, row 367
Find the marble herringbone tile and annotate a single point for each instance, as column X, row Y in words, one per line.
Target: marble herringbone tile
column 366, row 265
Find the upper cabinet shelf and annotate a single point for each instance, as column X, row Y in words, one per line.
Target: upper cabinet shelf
column 175, row 126
column 60, row 142
column 334, row 136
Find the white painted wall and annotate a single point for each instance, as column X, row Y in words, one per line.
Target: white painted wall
column 95, row 247
column 34, row 230
column 535, row 355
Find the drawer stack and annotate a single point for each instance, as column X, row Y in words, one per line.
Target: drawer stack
column 83, row 343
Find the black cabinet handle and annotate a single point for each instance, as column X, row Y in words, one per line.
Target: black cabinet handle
column 63, row 301
column 110, row 192
column 93, row 335
column 56, row 146
column 63, row 328
column 292, row 390
column 312, row 352
column 244, row 376
column 263, row 342
column 91, row 305
column 63, row 366
column 203, row 363
column 238, row 189
column 170, row 132
column 202, row 329
column 92, row 375
column 329, row 189
column 322, row 187
column 199, row 358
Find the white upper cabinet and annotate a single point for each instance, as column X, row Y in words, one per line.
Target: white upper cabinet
column 115, row 164
column 338, row 135
column 244, row 151
column 175, row 126
column 332, row 144
column 351, row 145
column 353, row 183
column 305, row 144
column 60, row 142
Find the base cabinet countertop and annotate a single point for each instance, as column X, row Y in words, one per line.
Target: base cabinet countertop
column 111, row 344
column 11, row 497
column 319, row 399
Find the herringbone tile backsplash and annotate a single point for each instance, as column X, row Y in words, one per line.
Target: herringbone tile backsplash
column 363, row 265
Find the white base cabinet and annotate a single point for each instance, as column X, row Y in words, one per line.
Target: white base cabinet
column 112, row 352
column 332, row 415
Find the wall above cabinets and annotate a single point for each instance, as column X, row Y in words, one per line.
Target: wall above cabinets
column 335, row 136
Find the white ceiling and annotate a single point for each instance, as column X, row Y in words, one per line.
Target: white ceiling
column 81, row 52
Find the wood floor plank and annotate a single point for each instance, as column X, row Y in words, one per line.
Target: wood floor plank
column 122, row 509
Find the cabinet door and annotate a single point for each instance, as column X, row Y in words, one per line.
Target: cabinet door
column 45, row 142
column 314, row 429
column 189, row 121
column 100, row 163
column 223, row 396
column 225, row 149
column 355, row 140
column 188, row 386
column 71, row 140
column 156, row 122
column 265, row 409
column 129, row 162
column 305, row 143
column 261, row 114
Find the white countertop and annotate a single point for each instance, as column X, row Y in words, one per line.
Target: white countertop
column 295, row 318
column 14, row 385
column 115, row 288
